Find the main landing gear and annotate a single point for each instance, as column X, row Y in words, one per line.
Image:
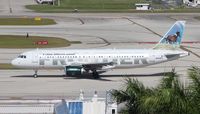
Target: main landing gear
column 95, row 74
column 35, row 75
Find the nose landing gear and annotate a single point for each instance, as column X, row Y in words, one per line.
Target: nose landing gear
column 35, row 75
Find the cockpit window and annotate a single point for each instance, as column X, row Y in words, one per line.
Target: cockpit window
column 21, row 56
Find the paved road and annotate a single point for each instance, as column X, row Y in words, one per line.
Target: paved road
column 14, row 6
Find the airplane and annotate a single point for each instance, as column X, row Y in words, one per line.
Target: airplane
column 96, row 61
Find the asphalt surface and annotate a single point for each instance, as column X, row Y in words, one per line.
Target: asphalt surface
column 14, row 6
column 94, row 31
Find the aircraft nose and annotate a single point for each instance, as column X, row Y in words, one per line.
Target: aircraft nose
column 15, row 62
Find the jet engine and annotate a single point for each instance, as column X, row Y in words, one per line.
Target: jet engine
column 74, row 70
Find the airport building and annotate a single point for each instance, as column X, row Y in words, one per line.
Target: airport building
column 94, row 105
column 192, row 3
column 142, row 6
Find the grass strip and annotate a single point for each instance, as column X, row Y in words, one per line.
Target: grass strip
column 6, row 66
column 103, row 6
column 26, row 21
column 11, row 41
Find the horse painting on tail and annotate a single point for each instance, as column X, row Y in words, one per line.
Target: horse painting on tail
column 173, row 38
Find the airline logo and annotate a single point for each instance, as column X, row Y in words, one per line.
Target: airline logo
column 175, row 34
column 126, row 61
column 172, row 39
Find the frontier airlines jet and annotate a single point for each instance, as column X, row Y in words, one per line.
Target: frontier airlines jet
column 96, row 61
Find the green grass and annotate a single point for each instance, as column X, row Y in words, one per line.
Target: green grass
column 9, row 41
column 87, row 5
column 105, row 6
column 6, row 66
column 55, row 9
column 26, row 21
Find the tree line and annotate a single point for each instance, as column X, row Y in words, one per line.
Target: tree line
column 169, row 97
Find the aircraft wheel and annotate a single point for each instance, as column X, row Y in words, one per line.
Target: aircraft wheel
column 35, row 75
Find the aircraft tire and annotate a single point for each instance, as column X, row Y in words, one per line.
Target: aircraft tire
column 35, row 75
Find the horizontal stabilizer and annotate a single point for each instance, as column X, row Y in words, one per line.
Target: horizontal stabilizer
column 172, row 56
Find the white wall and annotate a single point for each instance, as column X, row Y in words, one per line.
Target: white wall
column 142, row 8
column 94, row 107
column 27, row 109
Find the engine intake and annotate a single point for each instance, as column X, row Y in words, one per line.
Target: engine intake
column 74, row 70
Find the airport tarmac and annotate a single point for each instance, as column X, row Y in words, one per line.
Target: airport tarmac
column 110, row 30
column 99, row 31
column 15, row 6
column 20, row 84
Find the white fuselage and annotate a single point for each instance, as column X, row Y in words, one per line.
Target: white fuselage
column 121, row 58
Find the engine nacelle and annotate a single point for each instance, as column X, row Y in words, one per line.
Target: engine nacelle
column 74, row 70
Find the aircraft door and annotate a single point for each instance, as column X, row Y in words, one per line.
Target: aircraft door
column 155, row 58
column 151, row 58
column 35, row 59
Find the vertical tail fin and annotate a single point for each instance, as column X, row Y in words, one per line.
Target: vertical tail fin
column 172, row 39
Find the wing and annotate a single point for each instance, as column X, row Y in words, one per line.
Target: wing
column 96, row 66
